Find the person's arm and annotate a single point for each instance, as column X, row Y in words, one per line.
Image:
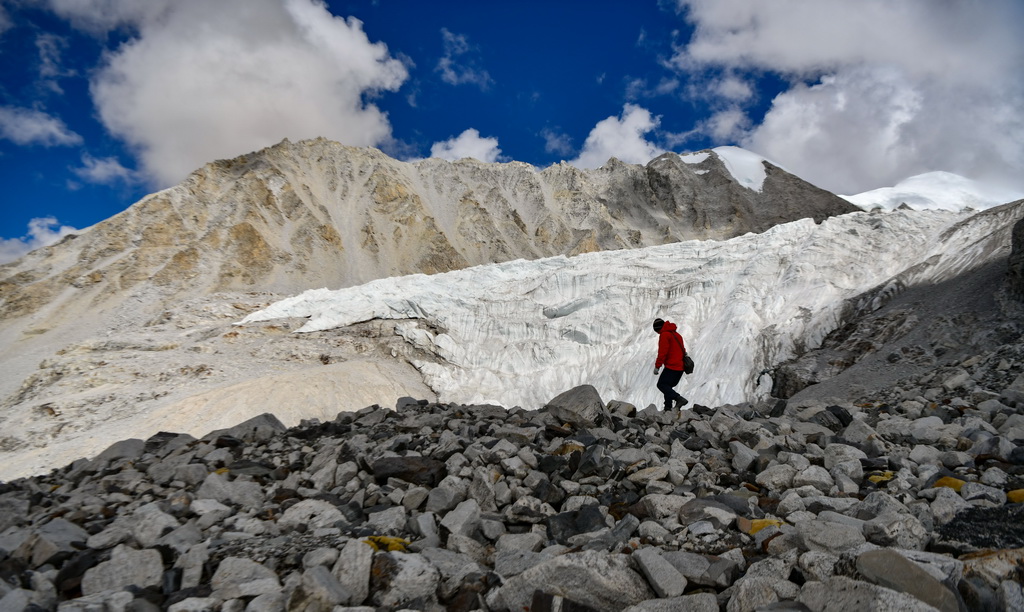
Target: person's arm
column 662, row 352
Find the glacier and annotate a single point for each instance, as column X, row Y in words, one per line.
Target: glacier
column 518, row 333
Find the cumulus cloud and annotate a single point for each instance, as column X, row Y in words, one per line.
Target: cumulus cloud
column 622, row 137
column 880, row 90
column 467, row 144
column 459, row 65
column 727, row 125
column 104, row 171
column 202, row 80
column 26, row 126
column 42, row 231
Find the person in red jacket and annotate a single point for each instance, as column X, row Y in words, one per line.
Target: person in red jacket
column 670, row 354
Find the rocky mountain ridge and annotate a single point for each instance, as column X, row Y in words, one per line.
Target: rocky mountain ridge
column 319, row 214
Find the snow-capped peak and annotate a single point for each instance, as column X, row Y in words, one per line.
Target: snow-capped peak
column 746, row 168
column 935, row 191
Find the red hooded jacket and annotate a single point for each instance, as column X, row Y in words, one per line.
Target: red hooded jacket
column 670, row 348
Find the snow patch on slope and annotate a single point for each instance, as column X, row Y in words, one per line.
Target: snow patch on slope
column 935, row 191
column 746, row 168
column 694, row 158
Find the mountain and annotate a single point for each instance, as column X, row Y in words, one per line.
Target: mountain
column 131, row 327
column 935, row 191
column 316, row 213
column 854, row 437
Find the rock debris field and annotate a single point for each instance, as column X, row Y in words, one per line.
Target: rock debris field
column 908, row 500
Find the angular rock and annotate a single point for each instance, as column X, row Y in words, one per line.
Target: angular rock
column 388, row 522
column 353, row 570
column 257, row 429
column 899, row 530
column 717, row 513
column 319, row 590
column 661, row 575
column 403, row 581
column 243, row 493
column 415, row 470
column 601, row 581
column 132, row 448
column 581, row 406
column 828, row 537
column 464, row 519
column 311, row 513
column 699, row 602
column 150, row 524
column 888, row 568
column 57, row 537
column 841, row 593
column 126, row 567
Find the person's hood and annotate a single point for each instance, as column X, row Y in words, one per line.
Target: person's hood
column 669, row 326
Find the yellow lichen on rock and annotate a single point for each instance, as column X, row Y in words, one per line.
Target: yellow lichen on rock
column 388, row 543
column 950, row 482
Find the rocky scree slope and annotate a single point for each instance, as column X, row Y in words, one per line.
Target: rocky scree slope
column 910, row 504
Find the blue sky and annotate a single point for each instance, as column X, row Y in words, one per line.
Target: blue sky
column 104, row 101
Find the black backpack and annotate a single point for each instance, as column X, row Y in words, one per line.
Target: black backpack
column 687, row 360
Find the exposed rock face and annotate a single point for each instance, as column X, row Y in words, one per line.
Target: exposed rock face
column 904, row 328
column 316, row 213
column 1015, row 274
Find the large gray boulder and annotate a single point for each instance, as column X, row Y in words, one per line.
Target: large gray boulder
column 601, row 581
column 126, row 567
column 581, row 406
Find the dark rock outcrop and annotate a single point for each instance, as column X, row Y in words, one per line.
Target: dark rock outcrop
column 1015, row 273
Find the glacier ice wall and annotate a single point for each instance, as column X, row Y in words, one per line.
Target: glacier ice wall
column 519, row 333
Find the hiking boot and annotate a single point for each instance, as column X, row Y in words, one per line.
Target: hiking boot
column 682, row 401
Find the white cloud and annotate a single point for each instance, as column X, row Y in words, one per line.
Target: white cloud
column 50, row 48
column 26, row 126
column 727, row 125
column 6, row 23
column 620, row 137
column 556, row 142
column 42, row 231
column 209, row 80
column 881, row 90
column 467, row 144
column 104, row 171
column 733, row 88
column 100, row 16
column 458, row 65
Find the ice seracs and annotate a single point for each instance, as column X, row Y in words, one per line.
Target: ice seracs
column 520, row 332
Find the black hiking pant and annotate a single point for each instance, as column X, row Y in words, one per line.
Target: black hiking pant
column 666, row 382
